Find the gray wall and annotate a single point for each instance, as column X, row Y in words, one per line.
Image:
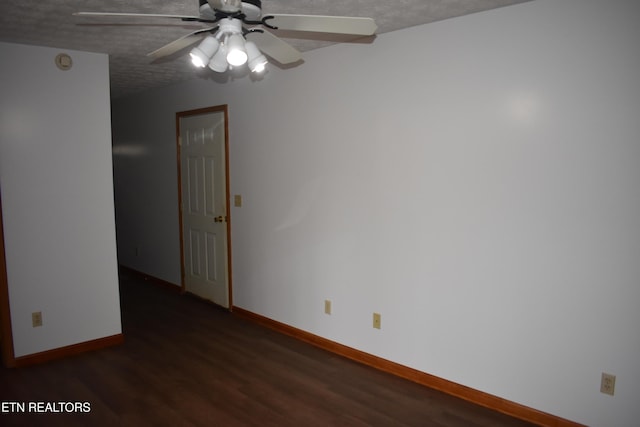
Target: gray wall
column 57, row 197
column 474, row 180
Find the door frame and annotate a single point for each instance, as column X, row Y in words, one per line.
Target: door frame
column 6, row 335
column 182, row 114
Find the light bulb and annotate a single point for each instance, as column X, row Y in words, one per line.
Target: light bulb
column 236, row 54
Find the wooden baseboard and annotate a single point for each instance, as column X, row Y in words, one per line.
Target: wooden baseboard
column 478, row 397
column 70, row 350
column 154, row 280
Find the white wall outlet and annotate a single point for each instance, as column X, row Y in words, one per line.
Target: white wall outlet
column 607, row 383
column 327, row 306
column 36, row 319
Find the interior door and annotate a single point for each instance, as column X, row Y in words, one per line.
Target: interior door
column 204, row 197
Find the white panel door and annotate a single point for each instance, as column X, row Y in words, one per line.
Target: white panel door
column 204, row 206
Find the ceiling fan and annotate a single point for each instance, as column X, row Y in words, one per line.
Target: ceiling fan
column 236, row 33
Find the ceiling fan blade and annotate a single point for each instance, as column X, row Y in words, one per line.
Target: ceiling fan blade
column 136, row 15
column 179, row 44
column 275, row 47
column 324, row 24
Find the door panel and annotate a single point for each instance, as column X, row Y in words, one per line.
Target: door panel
column 212, row 267
column 193, row 184
column 204, row 205
column 195, row 252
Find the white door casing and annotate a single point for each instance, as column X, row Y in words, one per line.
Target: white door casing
column 203, row 175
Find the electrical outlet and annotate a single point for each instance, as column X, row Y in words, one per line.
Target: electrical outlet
column 237, row 200
column 36, row 319
column 607, row 383
column 327, row 306
column 377, row 320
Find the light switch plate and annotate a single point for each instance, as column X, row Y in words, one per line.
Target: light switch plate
column 377, row 320
column 327, row 306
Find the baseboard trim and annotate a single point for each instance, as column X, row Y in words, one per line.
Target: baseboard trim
column 154, row 280
column 70, row 350
column 475, row 396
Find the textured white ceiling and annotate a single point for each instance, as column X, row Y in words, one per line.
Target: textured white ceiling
column 50, row 23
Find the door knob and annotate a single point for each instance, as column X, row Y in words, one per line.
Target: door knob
column 220, row 219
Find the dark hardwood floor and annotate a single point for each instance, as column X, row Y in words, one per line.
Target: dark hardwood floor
column 188, row 363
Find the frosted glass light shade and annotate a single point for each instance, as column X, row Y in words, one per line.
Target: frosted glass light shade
column 218, row 62
column 257, row 61
column 201, row 54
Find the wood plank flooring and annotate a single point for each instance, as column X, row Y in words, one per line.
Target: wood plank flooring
column 187, row 363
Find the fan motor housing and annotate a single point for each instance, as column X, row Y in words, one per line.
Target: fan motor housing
column 255, row 3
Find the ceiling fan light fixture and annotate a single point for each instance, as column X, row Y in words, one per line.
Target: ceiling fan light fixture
column 201, row 54
column 257, row 61
column 224, row 46
column 236, row 52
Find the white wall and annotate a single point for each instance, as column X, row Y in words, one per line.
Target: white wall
column 473, row 180
column 57, row 197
